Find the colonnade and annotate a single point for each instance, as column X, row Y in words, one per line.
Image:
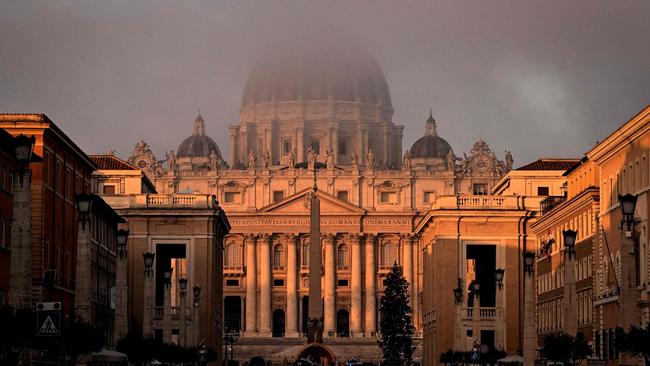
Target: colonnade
column 363, row 276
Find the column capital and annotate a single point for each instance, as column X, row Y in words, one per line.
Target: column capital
column 264, row 237
column 328, row 238
column 407, row 238
column 289, row 237
column 354, row 238
column 249, row 239
column 371, row 238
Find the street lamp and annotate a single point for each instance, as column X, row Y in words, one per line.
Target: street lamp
column 24, row 148
column 458, row 293
column 182, row 284
column 148, row 263
column 529, row 260
column 84, row 205
column 498, row 276
column 122, row 236
column 476, row 287
column 197, row 295
column 167, row 276
column 230, row 338
column 628, row 206
column 569, row 242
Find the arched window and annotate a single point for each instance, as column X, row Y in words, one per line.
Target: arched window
column 388, row 254
column 278, row 256
column 233, row 257
column 342, row 257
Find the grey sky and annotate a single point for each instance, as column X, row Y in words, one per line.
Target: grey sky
column 541, row 78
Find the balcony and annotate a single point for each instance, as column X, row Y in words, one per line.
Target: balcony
column 550, row 202
column 485, row 313
column 473, row 202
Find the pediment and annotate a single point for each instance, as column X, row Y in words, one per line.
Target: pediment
column 298, row 203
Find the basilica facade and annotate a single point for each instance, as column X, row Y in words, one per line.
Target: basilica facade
column 323, row 120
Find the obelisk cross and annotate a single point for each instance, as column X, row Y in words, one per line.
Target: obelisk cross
column 315, row 313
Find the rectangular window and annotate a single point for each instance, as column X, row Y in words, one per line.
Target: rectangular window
column 278, row 283
column 109, row 190
column 480, row 189
column 231, row 197
column 286, row 147
column 343, row 147
column 232, row 283
column 542, row 191
column 342, row 195
column 278, row 196
column 428, row 197
column 388, row 197
column 342, row 283
column 315, row 145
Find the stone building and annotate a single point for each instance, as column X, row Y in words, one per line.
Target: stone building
column 185, row 233
column 465, row 238
column 65, row 171
column 7, row 167
column 603, row 283
column 298, row 112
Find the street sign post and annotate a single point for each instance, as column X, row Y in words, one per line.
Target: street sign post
column 48, row 319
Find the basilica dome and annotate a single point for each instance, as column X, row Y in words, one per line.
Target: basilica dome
column 430, row 145
column 197, row 145
column 317, row 71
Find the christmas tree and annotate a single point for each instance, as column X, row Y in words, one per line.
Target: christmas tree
column 396, row 319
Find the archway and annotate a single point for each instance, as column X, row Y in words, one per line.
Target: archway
column 278, row 323
column 315, row 353
column 257, row 361
column 343, row 323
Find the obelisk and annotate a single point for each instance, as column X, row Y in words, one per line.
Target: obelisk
column 315, row 313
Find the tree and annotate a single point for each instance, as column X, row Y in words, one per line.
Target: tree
column 80, row 338
column 558, row 346
column 635, row 342
column 581, row 349
column 396, row 325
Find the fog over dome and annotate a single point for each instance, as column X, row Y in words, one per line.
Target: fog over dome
column 331, row 70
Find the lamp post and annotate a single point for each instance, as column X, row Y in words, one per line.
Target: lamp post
column 147, row 316
column 569, row 301
column 182, row 286
column 476, row 309
column 82, row 299
column 530, row 329
column 121, row 324
column 629, row 311
column 499, row 274
column 498, row 277
column 167, row 304
column 196, row 291
column 20, row 270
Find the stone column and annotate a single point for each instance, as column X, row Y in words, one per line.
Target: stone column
column 300, row 148
column 335, row 140
column 20, row 273
column 355, row 287
column 407, row 255
column 330, row 285
column 530, row 328
column 251, row 286
column 148, row 307
column 264, row 329
column 233, row 147
column 570, row 316
column 121, row 324
column 291, row 330
column 371, row 290
column 243, row 141
column 181, row 321
column 628, row 303
column 82, row 305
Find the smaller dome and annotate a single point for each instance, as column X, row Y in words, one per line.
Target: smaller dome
column 198, row 145
column 430, row 145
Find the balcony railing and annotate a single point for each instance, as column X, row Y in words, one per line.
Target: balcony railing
column 484, row 313
column 548, row 203
column 158, row 313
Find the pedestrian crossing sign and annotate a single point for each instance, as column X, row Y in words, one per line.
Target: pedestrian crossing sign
column 48, row 323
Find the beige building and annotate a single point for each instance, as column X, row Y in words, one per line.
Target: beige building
column 297, row 113
column 465, row 239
